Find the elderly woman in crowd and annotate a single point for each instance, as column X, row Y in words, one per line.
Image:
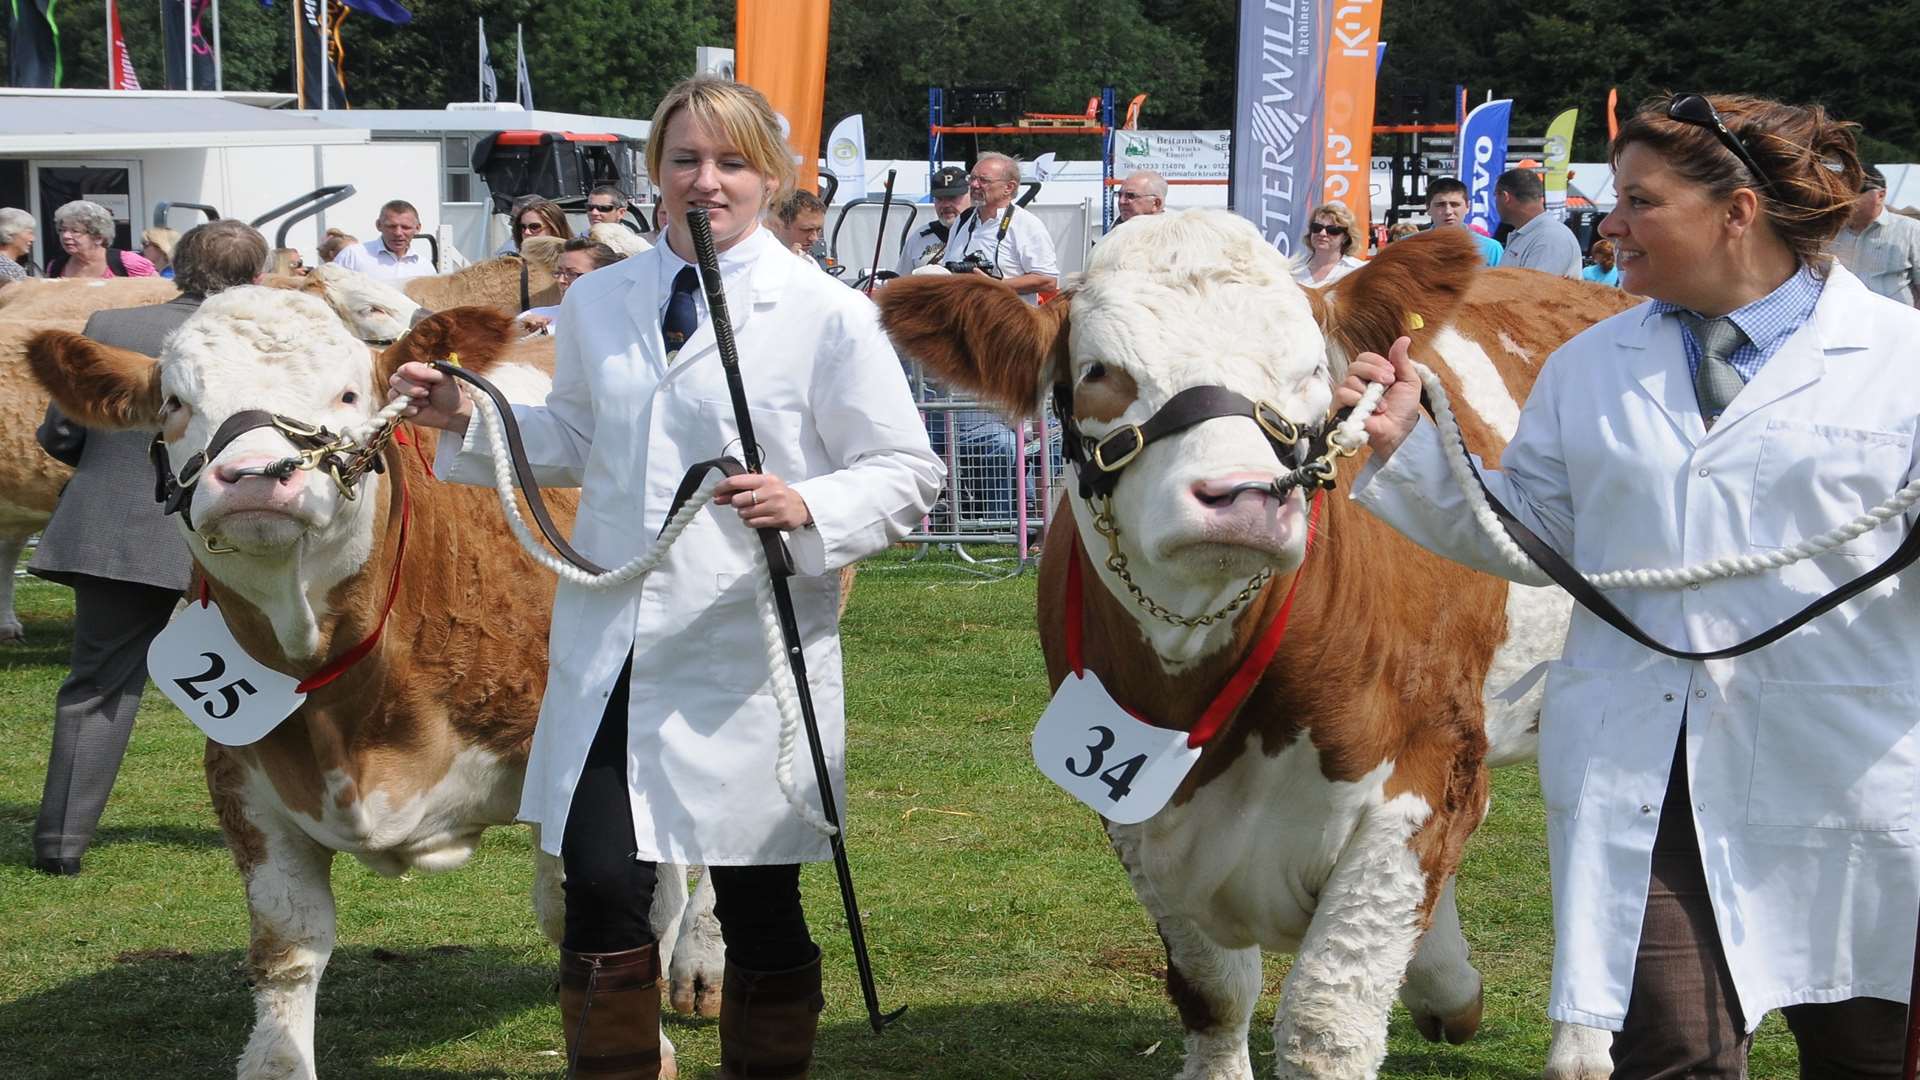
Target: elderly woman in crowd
column 1330, row 235
column 581, row 256
column 86, row 243
column 157, row 245
column 16, row 245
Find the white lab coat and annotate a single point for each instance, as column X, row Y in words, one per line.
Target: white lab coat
column 1803, row 757
column 833, row 417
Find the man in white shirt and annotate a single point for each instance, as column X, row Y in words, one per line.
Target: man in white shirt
column 392, row 257
column 928, row 244
column 1003, row 236
column 1539, row 240
column 1882, row 249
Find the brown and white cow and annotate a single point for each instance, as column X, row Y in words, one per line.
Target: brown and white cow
column 421, row 745
column 1328, row 816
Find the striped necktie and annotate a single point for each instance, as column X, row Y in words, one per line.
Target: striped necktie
column 1715, row 382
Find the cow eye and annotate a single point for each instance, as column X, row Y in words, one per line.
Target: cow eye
column 1096, row 370
column 349, row 398
column 167, row 407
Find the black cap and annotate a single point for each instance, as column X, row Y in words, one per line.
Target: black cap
column 949, row 181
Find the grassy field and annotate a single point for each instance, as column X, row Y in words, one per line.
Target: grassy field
column 993, row 907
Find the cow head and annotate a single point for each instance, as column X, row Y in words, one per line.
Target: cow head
column 1172, row 302
column 374, row 310
column 283, row 542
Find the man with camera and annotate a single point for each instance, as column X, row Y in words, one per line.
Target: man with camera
column 1000, row 239
column 928, row 244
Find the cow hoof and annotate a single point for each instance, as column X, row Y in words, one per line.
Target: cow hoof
column 12, row 631
column 1454, row 1029
column 695, row 998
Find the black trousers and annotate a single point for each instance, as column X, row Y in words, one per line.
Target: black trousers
column 609, row 888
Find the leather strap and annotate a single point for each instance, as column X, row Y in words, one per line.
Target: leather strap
column 1583, row 593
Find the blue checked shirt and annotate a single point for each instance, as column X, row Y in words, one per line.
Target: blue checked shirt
column 1768, row 322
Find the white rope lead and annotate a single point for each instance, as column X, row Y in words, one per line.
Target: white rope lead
column 1731, row 566
column 785, row 694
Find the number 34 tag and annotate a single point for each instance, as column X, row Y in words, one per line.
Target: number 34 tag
column 229, row 695
column 1122, row 768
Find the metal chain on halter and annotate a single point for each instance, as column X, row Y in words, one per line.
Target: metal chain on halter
column 1117, row 562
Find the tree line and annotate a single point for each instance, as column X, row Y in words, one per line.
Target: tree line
column 617, row 56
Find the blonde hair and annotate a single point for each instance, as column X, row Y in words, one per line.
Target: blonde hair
column 334, row 242
column 737, row 111
column 161, row 237
column 1342, row 217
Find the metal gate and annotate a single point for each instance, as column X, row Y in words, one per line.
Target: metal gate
column 1002, row 479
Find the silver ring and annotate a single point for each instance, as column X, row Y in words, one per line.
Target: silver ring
column 753, row 498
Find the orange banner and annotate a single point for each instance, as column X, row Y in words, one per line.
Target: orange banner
column 1613, row 117
column 780, row 49
column 1351, row 67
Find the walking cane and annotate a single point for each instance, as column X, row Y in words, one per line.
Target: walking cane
column 879, row 239
column 702, row 234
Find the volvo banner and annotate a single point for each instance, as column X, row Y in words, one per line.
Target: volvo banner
column 1483, row 157
column 1279, row 116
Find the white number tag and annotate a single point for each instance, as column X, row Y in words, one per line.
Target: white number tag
column 229, row 695
column 1122, row 768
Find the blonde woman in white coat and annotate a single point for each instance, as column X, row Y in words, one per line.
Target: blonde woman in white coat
column 658, row 731
column 1734, row 836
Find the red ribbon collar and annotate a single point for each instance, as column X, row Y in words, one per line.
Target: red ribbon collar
column 338, row 665
column 1239, row 685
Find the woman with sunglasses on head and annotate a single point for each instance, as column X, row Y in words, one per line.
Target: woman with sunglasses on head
column 1330, row 232
column 1737, row 835
column 659, row 730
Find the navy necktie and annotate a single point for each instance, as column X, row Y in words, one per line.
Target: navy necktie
column 683, row 315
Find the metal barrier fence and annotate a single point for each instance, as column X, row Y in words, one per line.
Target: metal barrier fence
column 1002, row 480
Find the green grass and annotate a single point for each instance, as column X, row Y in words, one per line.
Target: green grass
column 993, row 907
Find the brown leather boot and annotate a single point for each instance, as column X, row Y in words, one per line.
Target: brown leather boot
column 610, row 1006
column 768, row 1021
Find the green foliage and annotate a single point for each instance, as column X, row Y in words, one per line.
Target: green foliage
column 616, row 56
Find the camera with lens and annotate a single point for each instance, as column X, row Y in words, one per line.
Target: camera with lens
column 976, row 263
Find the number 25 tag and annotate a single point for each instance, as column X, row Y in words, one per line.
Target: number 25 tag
column 1122, row 768
column 229, row 695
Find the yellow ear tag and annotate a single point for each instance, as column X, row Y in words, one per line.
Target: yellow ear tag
column 1415, row 322
column 454, row 357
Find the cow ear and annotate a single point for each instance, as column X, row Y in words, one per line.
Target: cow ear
column 479, row 336
column 976, row 335
column 1425, row 275
column 97, row 385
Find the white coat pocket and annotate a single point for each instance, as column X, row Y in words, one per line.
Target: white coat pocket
column 1571, row 719
column 1814, row 477
column 777, row 431
column 1835, row 757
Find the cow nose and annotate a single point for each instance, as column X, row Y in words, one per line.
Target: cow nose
column 1224, row 491
column 249, row 466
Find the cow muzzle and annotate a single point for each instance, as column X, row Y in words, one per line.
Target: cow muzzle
column 341, row 457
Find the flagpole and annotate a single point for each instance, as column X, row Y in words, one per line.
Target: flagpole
column 326, row 58
column 519, row 63
column 299, row 66
column 113, row 75
column 219, row 83
column 480, row 61
column 186, row 42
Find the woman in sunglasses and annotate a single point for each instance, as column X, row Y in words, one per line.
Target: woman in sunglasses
column 1330, row 234
column 1731, row 836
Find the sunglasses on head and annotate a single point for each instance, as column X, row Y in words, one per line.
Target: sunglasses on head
column 1695, row 109
column 1330, row 230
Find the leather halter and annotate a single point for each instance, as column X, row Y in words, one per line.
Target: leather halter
column 319, row 448
column 1099, row 461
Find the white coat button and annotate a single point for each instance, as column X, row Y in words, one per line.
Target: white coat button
column 1700, row 694
column 1704, row 472
column 1695, row 586
column 1645, row 809
column 1702, row 807
column 1668, row 697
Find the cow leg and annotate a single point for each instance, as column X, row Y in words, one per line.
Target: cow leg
column 10, row 549
column 290, row 906
column 1332, row 1019
column 1214, row 989
column 1443, row 989
column 699, row 957
column 1578, row 1053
